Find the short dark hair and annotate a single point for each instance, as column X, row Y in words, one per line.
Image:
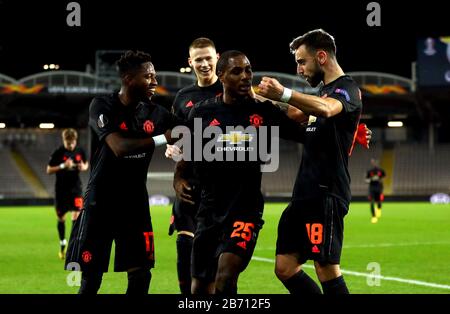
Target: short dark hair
column 225, row 57
column 202, row 42
column 131, row 61
column 315, row 40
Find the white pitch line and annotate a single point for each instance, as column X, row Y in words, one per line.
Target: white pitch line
column 375, row 245
column 359, row 274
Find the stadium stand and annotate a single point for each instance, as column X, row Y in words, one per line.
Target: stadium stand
column 418, row 170
column 12, row 185
column 358, row 164
column 280, row 183
column 160, row 174
column 63, row 97
column 35, row 146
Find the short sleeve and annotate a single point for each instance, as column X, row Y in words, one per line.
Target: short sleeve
column 55, row 159
column 350, row 97
column 102, row 119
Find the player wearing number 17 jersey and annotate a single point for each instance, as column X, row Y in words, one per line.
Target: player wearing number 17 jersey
column 125, row 127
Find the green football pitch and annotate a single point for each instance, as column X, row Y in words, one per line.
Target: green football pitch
column 407, row 251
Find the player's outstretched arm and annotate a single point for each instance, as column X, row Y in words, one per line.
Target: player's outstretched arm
column 292, row 112
column 310, row 105
column 122, row 146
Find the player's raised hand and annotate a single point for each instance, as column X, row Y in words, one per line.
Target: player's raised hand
column 172, row 151
column 69, row 163
column 270, row 88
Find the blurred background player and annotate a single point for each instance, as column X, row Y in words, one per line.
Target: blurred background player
column 375, row 177
column 66, row 162
column 203, row 59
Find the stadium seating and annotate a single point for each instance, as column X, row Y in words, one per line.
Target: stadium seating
column 419, row 170
column 36, row 151
column 359, row 163
column 12, row 185
column 416, row 169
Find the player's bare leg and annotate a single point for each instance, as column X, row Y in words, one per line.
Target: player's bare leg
column 201, row 287
column 290, row 273
column 229, row 268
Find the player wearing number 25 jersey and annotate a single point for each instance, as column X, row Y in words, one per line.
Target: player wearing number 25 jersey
column 229, row 217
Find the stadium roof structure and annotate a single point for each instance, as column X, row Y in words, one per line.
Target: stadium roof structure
column 64, row 96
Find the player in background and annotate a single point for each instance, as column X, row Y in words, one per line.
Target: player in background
column 203, row 59
column 374, row 177
column 66, row 162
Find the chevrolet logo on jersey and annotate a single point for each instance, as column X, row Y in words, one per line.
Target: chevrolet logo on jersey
column 235, row 137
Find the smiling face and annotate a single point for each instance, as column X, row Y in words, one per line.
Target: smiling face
column 237, row 76
column 308, row 65
column 142, row 83
column 203, row 61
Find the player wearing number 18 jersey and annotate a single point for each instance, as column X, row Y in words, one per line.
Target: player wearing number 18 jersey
column 312, row 227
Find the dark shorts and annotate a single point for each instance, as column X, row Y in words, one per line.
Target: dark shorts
column 238, row 235
column 313, row 229
column 67, row 202
column 183, row 214
column 95, row 229
column 376, row 195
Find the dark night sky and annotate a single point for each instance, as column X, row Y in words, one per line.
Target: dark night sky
column 32, row 34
